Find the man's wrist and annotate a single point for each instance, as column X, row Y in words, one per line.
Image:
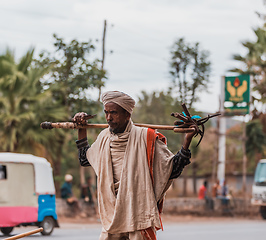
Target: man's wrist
column 185, row 152
column 82, row 133
column 180, row 160
column 82, row 143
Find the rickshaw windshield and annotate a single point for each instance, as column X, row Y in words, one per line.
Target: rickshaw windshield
column 260, row 175
column 3, row 174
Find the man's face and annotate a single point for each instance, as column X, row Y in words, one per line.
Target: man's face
column 116, row 116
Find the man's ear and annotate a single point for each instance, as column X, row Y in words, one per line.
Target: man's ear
column 128, row 115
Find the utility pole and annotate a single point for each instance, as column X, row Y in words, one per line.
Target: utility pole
column 103, row 46
column 214, row 159
column 82, row 169
column 244, row 173
column 222, row 139
column 244, row 179
column 103, row 55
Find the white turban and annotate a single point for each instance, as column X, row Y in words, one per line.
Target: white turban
column 68, row 178
column 120, row 98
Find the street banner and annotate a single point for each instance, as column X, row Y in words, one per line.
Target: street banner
column 237, row 95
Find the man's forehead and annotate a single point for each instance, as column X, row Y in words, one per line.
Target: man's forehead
column 112, row 106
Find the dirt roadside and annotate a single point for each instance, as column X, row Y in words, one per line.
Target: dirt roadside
column 166, row 218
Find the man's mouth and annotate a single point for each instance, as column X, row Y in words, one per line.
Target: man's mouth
column 111, row 124
column 112, row 127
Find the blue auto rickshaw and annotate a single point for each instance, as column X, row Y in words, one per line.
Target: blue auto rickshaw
column 27, row 193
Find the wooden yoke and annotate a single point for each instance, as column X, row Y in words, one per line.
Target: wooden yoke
column 71, row 125
column 185, row 124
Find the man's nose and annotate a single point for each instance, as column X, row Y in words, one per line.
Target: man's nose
column 108, row 117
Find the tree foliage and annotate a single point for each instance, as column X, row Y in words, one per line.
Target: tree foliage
column 254, row 63
column 190, row 71
column 256, row 139
column 52, row 87
column 73, row 72
column 156, row 108
column 23, row 103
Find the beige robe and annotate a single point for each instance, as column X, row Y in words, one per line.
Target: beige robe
column 134, row 207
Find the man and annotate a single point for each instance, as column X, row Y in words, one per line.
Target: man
column 216, row 189
column 203, row 190
column 203, row 194
column 67, row 194
column 134, row 169
column 88, row 192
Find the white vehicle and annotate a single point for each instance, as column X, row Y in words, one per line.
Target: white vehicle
column 259, row 188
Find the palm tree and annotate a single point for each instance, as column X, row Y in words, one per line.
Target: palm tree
column 24, row 104
column 254, row 63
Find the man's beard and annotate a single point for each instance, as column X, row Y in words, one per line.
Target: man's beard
column 111, row 129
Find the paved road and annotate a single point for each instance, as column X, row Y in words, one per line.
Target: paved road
column 226, row 229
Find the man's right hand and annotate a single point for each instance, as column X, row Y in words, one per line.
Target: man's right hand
column 80, row 118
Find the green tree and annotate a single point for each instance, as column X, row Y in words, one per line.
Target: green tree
column 73, row 72
column 23, row 103
column 156, row 108
column 256, row 140
column 254, row 64
column 190, row 71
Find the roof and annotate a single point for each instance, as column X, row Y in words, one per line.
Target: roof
column 21, row 157
column 44, row 183
column 262, row 161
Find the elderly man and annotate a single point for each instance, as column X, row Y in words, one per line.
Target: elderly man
column 134, row 169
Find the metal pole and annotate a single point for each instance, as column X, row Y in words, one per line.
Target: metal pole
column 244, row 176
column 244, row 187
column 222, row 139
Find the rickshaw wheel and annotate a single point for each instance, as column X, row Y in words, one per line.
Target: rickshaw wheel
column 48, row 225
column 6, row 230
column 263, row 212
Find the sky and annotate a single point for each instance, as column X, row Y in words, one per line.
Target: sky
column 139, row 34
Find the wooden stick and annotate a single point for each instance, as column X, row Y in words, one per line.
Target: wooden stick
column 71, row 125
column 22, row 235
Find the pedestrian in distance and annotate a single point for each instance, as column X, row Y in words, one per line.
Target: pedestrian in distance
column 203, row 194
column 216, row 189
column 67, row 194
column 88, row 192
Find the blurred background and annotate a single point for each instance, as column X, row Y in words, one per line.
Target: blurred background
column 57, row 57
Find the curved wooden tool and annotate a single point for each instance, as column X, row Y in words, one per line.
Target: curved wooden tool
column 187, row 121
column 22, row 235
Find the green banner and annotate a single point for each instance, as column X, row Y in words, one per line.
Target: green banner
column 237, row 95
